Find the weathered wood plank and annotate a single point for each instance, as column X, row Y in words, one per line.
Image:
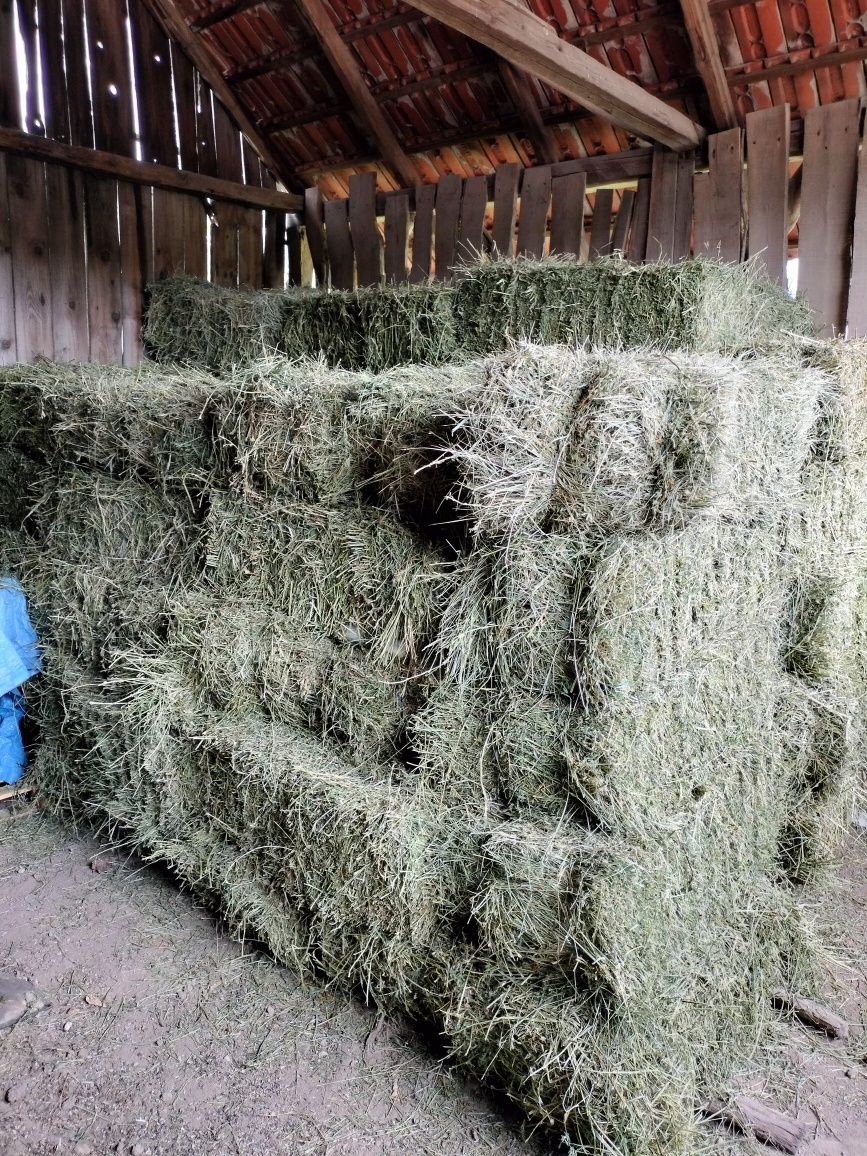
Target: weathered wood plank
column 683, row 206
column 28, row 213
column 206, row 141
column 8, row 345
column 339, row 244
column 365, row 234
column 80, row 122
column 620, row 233
column 507, row 178
column 129, row 201
column 768, row 133
column 153, row 65
column 856, row 317
column 293, row 250
column 721, row 212
column 600, row 227
column 53, row 71
column 703, row 224
column 640, row 222
column 663, row 203
column 112, row 84
column 827, row 210
column 396, row 231
column 104, row 305
column 474, row 204
column 422, row 232
column 168, row 234
column 66, row 247
column 567, row 213
column 195, row 237
column 250, row 248
column 273, row 262
column 9, row 102
column 315, row 229
column 533, row 221
column 228, row 143
column 448, row 209
column 224, row 245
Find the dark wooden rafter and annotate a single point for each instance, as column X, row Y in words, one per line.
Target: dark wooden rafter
column 349, row 74
column 221, row 11
column 705, row 51
column 836, row 56
column 529, row 42
column 519, row 88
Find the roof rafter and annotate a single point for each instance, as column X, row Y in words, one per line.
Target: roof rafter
column 705, row 51
column 529, row 42
column 520, row 90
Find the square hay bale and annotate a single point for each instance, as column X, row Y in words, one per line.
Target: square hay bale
column 412, row 324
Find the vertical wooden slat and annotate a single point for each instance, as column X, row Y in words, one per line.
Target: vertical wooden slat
column 8, row 345
column 195, row 237
column 448, row 209
column 533, row 222
column 396, row 230
column 339, row 245
column 252, row 169
column 293, row 249
column 473, row 206
column 112, row 85
column 80, row 113
column 567, row 213
column 640, row 221
column 718, row 217
column 313, row 215
column 506, row 181
column 600, row 227
column 768, row 188
column 206, row 145
column 154, row 73
column 28, row 213
column 275, row 246
column 422, row 232
column 131, row 285
column 856, row 317
column 228, row 144
column 66, row 245
column 250, row 248
column 224, row 245
column 703, row 223
column 663, row 198
column 168, row 233
column 622, row 221
column 683, row 206
column 827, row 210
column 9, row 102
column 362, row 221
column 53, row 73
column 27, row 28
column 104, row 305
column 186, row 95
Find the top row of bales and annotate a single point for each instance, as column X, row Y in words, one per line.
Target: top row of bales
column 695, row 305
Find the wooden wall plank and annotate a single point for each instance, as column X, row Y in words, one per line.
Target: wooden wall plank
column 80, row 117
column 637, row 249
column 8, row 345
column 448, row 210
column 53, row 71
column 250, row 248
column 27, row 28
column 365, row 233
column 315, row 230
column 856, row 317
column 620, row 233
column 153, row 64
column 828, row 209
column 339, row 244
column 768, row 188
column 168, row 233
column 422, row 232
column 28, row 215
column 567, row 213
column 206, row 141
column 663, row 198
column 9, row 103
column 195, row 237
column 533, row 221
column 396, row 232
column 293, row 250
column 104, row 304
column 474, row 204
column 131, row 228
column 273, row 262
column 703, row 224
column 112, row 83
column 724, row 212
column 506, row 181
column 227, row 139
column 184, row 84
column 224, row 244
column 600, row 227
column 683, row 205
column 66, row 246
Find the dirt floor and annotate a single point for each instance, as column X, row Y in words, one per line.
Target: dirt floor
column 159, row 1035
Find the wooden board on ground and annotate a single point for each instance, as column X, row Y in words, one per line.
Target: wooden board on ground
column 28, row 222
column 768, row 188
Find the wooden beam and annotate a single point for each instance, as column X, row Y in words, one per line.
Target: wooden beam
column 520, row 91
column 143, row 173
column 837, row 57
column 349, row 74
column 529, row 42
column 705, row 51
column 222, row 11
column 174, row 25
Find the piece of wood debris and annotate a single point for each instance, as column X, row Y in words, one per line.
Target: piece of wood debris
column 8, row 794
column 809, row 1011
column 760, row 1120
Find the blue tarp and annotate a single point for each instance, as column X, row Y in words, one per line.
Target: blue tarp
column 19, row 660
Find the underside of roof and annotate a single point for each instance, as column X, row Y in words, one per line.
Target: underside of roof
column 455, row 106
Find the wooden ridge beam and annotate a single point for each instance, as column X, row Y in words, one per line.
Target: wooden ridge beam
column 705, row 51
column 349, row 74
column 529, row 42
column 144, row 173
column 177, row 29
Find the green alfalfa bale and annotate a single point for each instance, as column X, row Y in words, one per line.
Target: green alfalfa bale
column 411, row 324
column 326, row 325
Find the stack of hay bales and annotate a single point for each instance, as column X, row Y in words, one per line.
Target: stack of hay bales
column 694, row 305
column 465, row 685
